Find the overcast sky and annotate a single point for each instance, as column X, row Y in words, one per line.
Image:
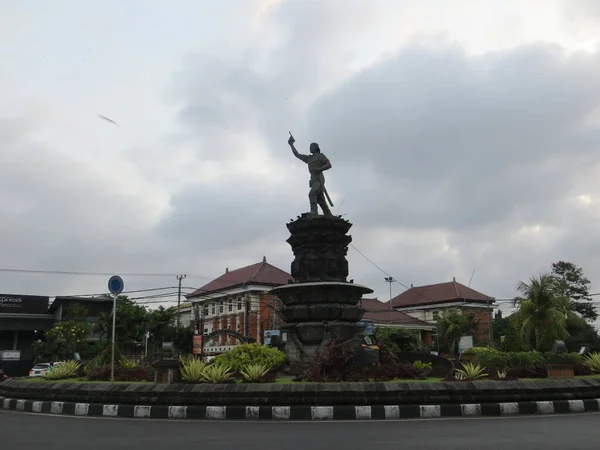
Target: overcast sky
column 463, row 136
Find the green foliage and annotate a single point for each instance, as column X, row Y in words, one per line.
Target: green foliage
column 217, row 374
column 131, row 323
column 421, row 365
column 62, row 340
column 501, row 374
column 593, row 362
column 104, row 357
column 562, row 358
column 471, row 371
column 585, row 337
column 192, row 369
column 76, row 312
column 243, row 355
column 397, row 340
column 543, row 312
column 574, row 285
column 254, row 372
column 127, row 364
column 513, row 340
column 67, row 369
column 500, row 326
column 452, row 325
column 495, row 359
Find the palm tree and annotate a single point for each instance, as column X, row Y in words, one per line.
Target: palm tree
column 543, row 312
column 452, row 325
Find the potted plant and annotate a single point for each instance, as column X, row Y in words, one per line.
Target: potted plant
column 560, row 365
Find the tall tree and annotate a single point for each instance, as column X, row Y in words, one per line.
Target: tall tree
column 500, row 325
column 131, row 324
column 544, row 313
column 576, row 287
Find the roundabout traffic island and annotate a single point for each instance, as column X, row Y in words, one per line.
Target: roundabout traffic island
column 303, row 401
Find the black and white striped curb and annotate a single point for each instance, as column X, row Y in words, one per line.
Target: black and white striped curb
column 304, row 413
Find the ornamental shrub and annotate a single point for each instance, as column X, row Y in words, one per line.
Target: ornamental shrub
column 243, row 355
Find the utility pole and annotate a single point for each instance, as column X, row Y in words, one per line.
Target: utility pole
column 390, row 280
column 247, row 318
column 179, row 278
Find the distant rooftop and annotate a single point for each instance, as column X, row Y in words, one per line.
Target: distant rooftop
column 451, row 291
column 261, row 273
column 67, row 299
column 382, row 314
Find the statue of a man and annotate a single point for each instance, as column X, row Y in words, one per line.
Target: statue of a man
column 317, row 163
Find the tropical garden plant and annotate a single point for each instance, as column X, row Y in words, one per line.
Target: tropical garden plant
column 192, row 369
column 254, row 372
column 67, row 369
column 472, row 371
column 217, row 374
column 544, row 312
column 593, row 362
column 243, row 355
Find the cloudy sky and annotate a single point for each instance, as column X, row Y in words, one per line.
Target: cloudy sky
column 463, row 136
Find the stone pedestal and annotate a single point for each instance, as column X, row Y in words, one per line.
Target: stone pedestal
column 166, row 371
column 320, row 305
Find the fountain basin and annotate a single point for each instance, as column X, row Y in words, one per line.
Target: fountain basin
column 332, row 292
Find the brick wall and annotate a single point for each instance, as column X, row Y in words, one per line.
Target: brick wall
column 482, row 317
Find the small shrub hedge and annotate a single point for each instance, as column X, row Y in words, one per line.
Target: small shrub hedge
column 243, row 355
column 336, row 363
column 138, row 373
column 498, row 360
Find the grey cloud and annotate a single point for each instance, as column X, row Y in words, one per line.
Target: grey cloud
column 460, row 141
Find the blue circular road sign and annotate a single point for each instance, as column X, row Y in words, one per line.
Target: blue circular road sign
column 115, row 285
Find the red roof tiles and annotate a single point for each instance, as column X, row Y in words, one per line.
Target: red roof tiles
column 261, row 273
column 380, row 313
column 438, row 293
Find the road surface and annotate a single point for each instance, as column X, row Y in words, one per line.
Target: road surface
column 29, row 431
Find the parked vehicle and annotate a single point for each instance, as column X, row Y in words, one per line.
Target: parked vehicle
column 39, row 370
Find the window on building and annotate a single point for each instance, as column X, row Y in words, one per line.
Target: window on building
column 206, row 331
column 220, row 306
column 212, row 309
column 230, row 305
column 239, row 303
column 205, row 310
column 436, row 315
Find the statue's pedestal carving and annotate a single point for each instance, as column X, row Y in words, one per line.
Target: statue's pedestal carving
column 320, row 305
column 166, row 371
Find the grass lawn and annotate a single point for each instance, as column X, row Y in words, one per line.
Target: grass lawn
column 280, row 380
column 74, row 380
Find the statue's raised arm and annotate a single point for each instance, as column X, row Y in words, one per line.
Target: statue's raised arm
column 317, row 163
column 298, row 155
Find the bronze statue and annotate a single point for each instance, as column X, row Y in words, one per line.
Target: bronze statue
column 317, row 163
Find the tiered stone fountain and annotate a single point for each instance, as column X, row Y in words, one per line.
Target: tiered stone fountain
column 319, row 305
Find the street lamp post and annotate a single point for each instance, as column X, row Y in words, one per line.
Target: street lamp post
column 390, row 280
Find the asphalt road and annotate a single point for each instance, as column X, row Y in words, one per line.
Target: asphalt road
column 28, row 431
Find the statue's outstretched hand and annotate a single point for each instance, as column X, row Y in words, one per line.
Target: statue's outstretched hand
column 291, row 140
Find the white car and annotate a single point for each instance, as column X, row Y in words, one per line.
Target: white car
column 39, row 370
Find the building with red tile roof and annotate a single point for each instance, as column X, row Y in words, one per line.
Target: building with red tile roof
column 427, row 302
column 238, row 301
column 380, row 314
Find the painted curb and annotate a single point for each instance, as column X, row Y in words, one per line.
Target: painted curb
column 304, row 413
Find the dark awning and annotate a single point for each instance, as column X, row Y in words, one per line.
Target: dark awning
column 15, row 322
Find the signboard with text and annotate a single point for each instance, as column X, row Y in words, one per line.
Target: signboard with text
column 197, row 344
column 23, row 304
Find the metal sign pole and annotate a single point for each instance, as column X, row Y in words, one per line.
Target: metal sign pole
column 114, row 323
column 115, row 287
